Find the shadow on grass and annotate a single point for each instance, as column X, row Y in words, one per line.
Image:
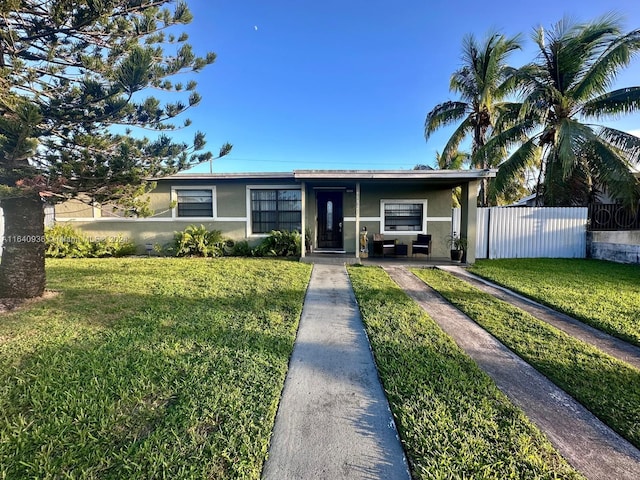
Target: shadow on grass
column 157, row 384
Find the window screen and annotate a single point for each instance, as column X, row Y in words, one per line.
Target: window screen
column 195, row 203
column 403, row 217
column 276, row 210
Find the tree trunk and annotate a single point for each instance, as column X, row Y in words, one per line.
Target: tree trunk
column 22, row 273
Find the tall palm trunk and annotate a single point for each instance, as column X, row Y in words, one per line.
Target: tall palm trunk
column 22, row 273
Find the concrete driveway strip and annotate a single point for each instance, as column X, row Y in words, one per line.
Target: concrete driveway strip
column 589, row 445
column 613, row 346
column 333, row 421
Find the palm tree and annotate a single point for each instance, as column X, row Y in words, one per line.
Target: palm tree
column 564, row 90
column 481, row 84
column 456, row 161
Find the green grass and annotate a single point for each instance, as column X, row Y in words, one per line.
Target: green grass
column 148, row 368
column 605, row 295
column 452, row 419
column 608, row 387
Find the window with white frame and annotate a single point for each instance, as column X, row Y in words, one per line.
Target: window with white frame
column 275, row 209
column 403, row 216
column 194, row 202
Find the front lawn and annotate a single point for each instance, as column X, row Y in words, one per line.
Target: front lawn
column 605, row 295
column 148, row 368
column 608, row 387
column 452, row 419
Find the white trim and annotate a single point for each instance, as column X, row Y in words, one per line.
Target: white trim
column 384, row 201
column 290, row 186
column 362, row 219
column 214, row 203
column 152, row 219
column 231, row 219
column 438, row 219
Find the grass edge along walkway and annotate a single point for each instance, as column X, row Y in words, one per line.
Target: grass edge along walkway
column 452, row 419
column 606, row 386
column 148, row 368
column 605, row 295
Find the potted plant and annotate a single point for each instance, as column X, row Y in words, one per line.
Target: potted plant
column 308, row 241
column 458, row 245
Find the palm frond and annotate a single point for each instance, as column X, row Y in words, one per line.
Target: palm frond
column 602, row 71
column 571, row 139
column 612, row 170
column 456, row 161
column 626, row 143
column 582, row 46
column 613, row 104
column 443, row 114
column 507, row 114
column 508, row 138
column 463, row 130
column 524, row 157
column 560, row 189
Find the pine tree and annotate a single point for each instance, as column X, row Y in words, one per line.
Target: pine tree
column 70, row 72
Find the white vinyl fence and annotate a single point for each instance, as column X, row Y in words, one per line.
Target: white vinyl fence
column 529, row 232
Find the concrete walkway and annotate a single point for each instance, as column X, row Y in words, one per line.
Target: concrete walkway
column 333, row 421
column 588, row 444
column 613, row 346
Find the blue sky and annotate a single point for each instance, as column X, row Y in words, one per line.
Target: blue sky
column 346, row 84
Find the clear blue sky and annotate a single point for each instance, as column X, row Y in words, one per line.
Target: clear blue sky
column 346, row 84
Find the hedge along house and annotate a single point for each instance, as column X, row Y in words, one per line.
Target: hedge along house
column 331, row 206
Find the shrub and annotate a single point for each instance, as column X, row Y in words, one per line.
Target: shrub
column 196, row 241
column 280, row 244
column 240, row 249
column 113, row 247
column 65, row 241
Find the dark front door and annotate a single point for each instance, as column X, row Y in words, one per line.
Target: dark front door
column 329, row 219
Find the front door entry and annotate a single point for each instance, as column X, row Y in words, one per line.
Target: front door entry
column 330, row 221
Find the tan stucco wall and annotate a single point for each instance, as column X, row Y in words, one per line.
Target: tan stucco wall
column 74, row 209
column 438, row 205
column 232, row 200
column 232, row 203
column 148, row 231
column 160, row 200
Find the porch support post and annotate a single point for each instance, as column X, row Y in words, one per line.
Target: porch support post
column 468, row 218
column 303, row 215
column 357, row 219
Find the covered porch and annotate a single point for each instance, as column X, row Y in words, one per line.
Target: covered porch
column 344, row 209
column 351, row 259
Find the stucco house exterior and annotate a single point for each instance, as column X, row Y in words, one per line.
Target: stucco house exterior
column 332, row 206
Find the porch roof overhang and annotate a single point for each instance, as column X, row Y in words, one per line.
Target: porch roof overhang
column 435, row 178
column 448, row 175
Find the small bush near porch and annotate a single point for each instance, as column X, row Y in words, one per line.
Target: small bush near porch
column 148, row 368
column 605, row 295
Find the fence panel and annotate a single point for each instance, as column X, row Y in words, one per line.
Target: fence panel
column 534, row 232
column 613, row 217
column 529, row 232
column 482, row 227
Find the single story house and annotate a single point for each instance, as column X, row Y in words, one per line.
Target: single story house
column 333, row 207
